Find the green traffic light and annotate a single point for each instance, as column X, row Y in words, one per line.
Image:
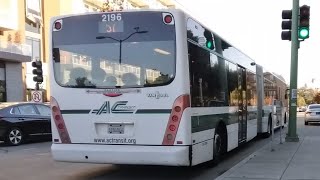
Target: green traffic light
column 209, row 44
column 303, row 33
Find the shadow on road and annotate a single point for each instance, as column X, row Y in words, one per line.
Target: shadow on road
column 126, row 172
column 29, row 141
column 313, row 124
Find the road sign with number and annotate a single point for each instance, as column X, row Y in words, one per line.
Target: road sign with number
column 36, row 96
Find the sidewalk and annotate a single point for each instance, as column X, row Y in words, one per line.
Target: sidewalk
column 290, row 160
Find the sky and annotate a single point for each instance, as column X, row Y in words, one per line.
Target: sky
column 254, row 27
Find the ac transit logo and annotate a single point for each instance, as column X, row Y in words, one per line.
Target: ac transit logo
column 118, row 107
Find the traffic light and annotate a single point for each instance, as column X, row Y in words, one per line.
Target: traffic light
column 37, row 71
column 304, row 17
column 209, row 40
column 286, row 25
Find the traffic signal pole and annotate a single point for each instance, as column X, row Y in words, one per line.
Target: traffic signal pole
column 37, row 87
column 292, row 129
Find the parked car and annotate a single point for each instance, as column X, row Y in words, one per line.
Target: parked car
column 312, row 114
column 301, row 109
column 21, row 121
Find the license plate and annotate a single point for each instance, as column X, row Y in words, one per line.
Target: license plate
column 116, row 129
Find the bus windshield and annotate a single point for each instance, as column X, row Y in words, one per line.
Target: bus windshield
column 113, row 50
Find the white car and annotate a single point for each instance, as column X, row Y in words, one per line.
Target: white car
column 312, row 114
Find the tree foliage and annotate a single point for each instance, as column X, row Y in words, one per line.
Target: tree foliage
column 112, row 5
column 316, row 98
column 301, row 101
column 307, row 94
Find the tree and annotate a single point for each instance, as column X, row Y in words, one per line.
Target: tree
column 112, row 5
column 307, row 93
column 301, row 101
column 316, row 98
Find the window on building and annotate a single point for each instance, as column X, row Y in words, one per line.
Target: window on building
column 33, row 16
column 35, row 46
column 32, row 27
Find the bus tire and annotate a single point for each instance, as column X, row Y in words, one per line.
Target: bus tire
column 269, row 129
column 220, row 143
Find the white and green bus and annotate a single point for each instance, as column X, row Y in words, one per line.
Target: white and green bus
column 153, row 87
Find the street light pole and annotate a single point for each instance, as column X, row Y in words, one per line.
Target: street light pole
column 292, row 129
column 121, row 40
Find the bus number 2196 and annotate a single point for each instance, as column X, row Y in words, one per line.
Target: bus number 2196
column 111, row 17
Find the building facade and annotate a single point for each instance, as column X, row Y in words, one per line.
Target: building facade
column 14, row 50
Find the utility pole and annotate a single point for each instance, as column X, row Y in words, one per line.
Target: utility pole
column 292, row 130
column 295, row 27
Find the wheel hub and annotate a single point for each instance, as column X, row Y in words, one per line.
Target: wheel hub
column 15, row 136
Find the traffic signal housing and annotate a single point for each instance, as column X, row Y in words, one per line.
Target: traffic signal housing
column 286, row 25
column 304, row 18
column 37, row 71
column 209, row 39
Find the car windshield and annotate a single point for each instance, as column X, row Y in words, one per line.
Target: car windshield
column 138, row 51
column 314, row 106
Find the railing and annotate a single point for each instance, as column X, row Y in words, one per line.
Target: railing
column 22, row 49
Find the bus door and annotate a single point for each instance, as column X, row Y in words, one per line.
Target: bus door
column 242, row 111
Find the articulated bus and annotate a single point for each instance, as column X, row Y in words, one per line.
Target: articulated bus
column 154, row 87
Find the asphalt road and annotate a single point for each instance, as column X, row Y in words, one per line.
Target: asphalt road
column 33, row 161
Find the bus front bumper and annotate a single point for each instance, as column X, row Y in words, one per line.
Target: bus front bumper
column 122, row 154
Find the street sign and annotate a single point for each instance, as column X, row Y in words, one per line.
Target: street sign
column 294, row 94
column 36, row 96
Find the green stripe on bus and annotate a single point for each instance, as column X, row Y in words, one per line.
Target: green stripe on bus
column 205, row 122
column 139, row 111
column 74, row 111
column 153, row 111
